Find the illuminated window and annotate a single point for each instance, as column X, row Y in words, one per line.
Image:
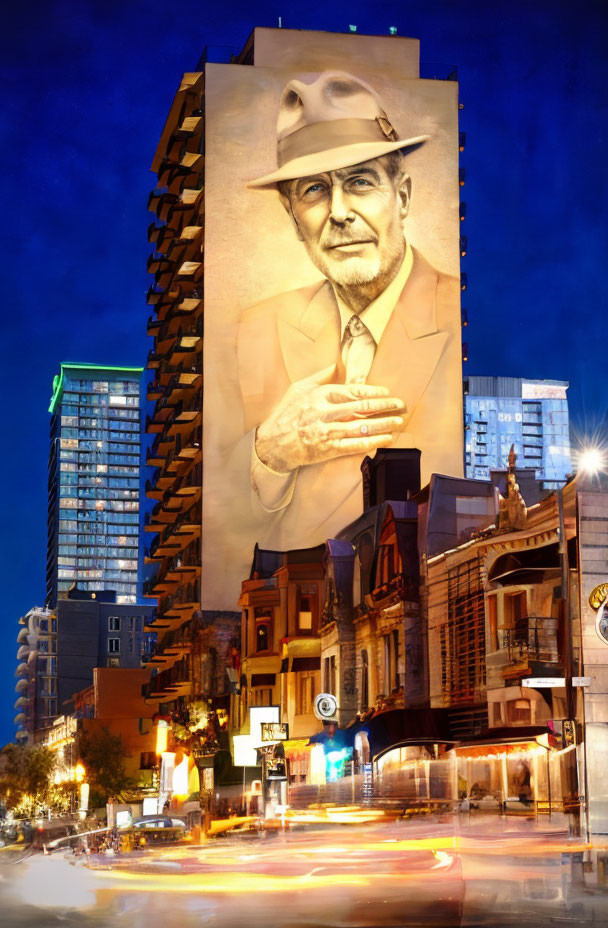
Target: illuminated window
column 307, row 608
column 305, row 693
column 263, row 628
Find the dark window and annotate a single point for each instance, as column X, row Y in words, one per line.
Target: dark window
column 262, row 636
column 364, row 680
column 113, row 645
column 147, row 760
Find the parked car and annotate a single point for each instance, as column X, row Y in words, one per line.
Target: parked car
column 156, row 829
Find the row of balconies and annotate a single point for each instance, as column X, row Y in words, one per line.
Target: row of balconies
column 169, row 452
column 177, row 355
column 181, row 494
column 184, row 599
column 178, row 247
column 170, row 331
column 183, row 250
column 165, row 448
column 179, row 385
column 167, row 415
column 166, row 373
column 182, row 350
column 176, row 210
column 176, row 536
column 173, row 646
column 167, row 238
column 170, row 683
column 176, row 569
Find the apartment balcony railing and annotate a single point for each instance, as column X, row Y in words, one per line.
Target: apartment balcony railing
column 533, row 638
column 164, row 439
column 185, row 562
column 168, row 683
column 406, row 588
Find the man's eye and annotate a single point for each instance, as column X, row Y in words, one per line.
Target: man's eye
column 314, row 188
column 360, row 182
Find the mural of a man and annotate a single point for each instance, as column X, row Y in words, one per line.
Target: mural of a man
column 331, row 372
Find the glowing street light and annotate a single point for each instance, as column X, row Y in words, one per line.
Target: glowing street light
column 79, row 773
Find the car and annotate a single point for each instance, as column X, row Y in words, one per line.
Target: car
column 155, row 829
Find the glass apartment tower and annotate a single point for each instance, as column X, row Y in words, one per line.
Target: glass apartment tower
column 94, row 470
column 532, row 415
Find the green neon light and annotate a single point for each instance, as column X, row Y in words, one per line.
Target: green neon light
column 57, row 387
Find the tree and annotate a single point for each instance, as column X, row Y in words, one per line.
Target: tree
column 103, row 755
column 26, row 770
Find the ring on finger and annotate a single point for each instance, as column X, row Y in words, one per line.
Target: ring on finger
column 364, row 429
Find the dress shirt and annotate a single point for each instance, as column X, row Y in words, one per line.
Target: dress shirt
column 359, row 347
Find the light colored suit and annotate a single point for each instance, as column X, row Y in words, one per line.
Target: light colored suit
column 295, row 334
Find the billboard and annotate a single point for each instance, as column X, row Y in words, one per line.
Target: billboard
column 332, row 311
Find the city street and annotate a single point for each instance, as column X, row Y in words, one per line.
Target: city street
column 399, row 874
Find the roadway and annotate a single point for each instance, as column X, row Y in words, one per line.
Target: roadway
column 392, row 874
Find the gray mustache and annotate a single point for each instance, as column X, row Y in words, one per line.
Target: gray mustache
column 334, row 241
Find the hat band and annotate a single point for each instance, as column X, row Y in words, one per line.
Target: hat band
column 322, row 136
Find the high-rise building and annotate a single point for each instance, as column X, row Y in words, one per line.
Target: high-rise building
column 58, row 650
column 94, row 470
column 531, row 415
column 94, row 630
column 36, row 673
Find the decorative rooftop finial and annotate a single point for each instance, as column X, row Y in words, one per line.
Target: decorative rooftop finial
column 512, row 459
column 512, row 508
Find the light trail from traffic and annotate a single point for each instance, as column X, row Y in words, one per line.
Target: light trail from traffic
column 389, row 875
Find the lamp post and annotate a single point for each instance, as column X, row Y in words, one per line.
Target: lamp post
column 83, row 790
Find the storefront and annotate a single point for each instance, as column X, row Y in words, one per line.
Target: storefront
column 510, row 774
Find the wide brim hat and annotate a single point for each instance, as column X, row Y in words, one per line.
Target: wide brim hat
column 334, row 122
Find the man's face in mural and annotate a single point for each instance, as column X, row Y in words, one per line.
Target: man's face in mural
column 351, row 221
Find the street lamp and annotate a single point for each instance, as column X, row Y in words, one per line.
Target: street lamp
column 83, row 790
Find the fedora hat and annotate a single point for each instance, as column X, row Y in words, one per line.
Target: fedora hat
column 334, row 122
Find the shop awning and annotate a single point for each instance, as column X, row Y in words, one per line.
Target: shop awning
column 400, row 726
column 500, row 741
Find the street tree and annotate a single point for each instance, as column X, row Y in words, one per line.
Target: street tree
column 26, row 771
column 103, row 755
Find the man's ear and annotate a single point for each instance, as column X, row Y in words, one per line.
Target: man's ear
column 286, row 203
column 405, row 194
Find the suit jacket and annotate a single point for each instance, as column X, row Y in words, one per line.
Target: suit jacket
column 295, row 334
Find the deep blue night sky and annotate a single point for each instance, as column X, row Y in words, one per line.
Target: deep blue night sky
column 87, row 88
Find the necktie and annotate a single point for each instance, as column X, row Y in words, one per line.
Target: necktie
column 358, row 350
